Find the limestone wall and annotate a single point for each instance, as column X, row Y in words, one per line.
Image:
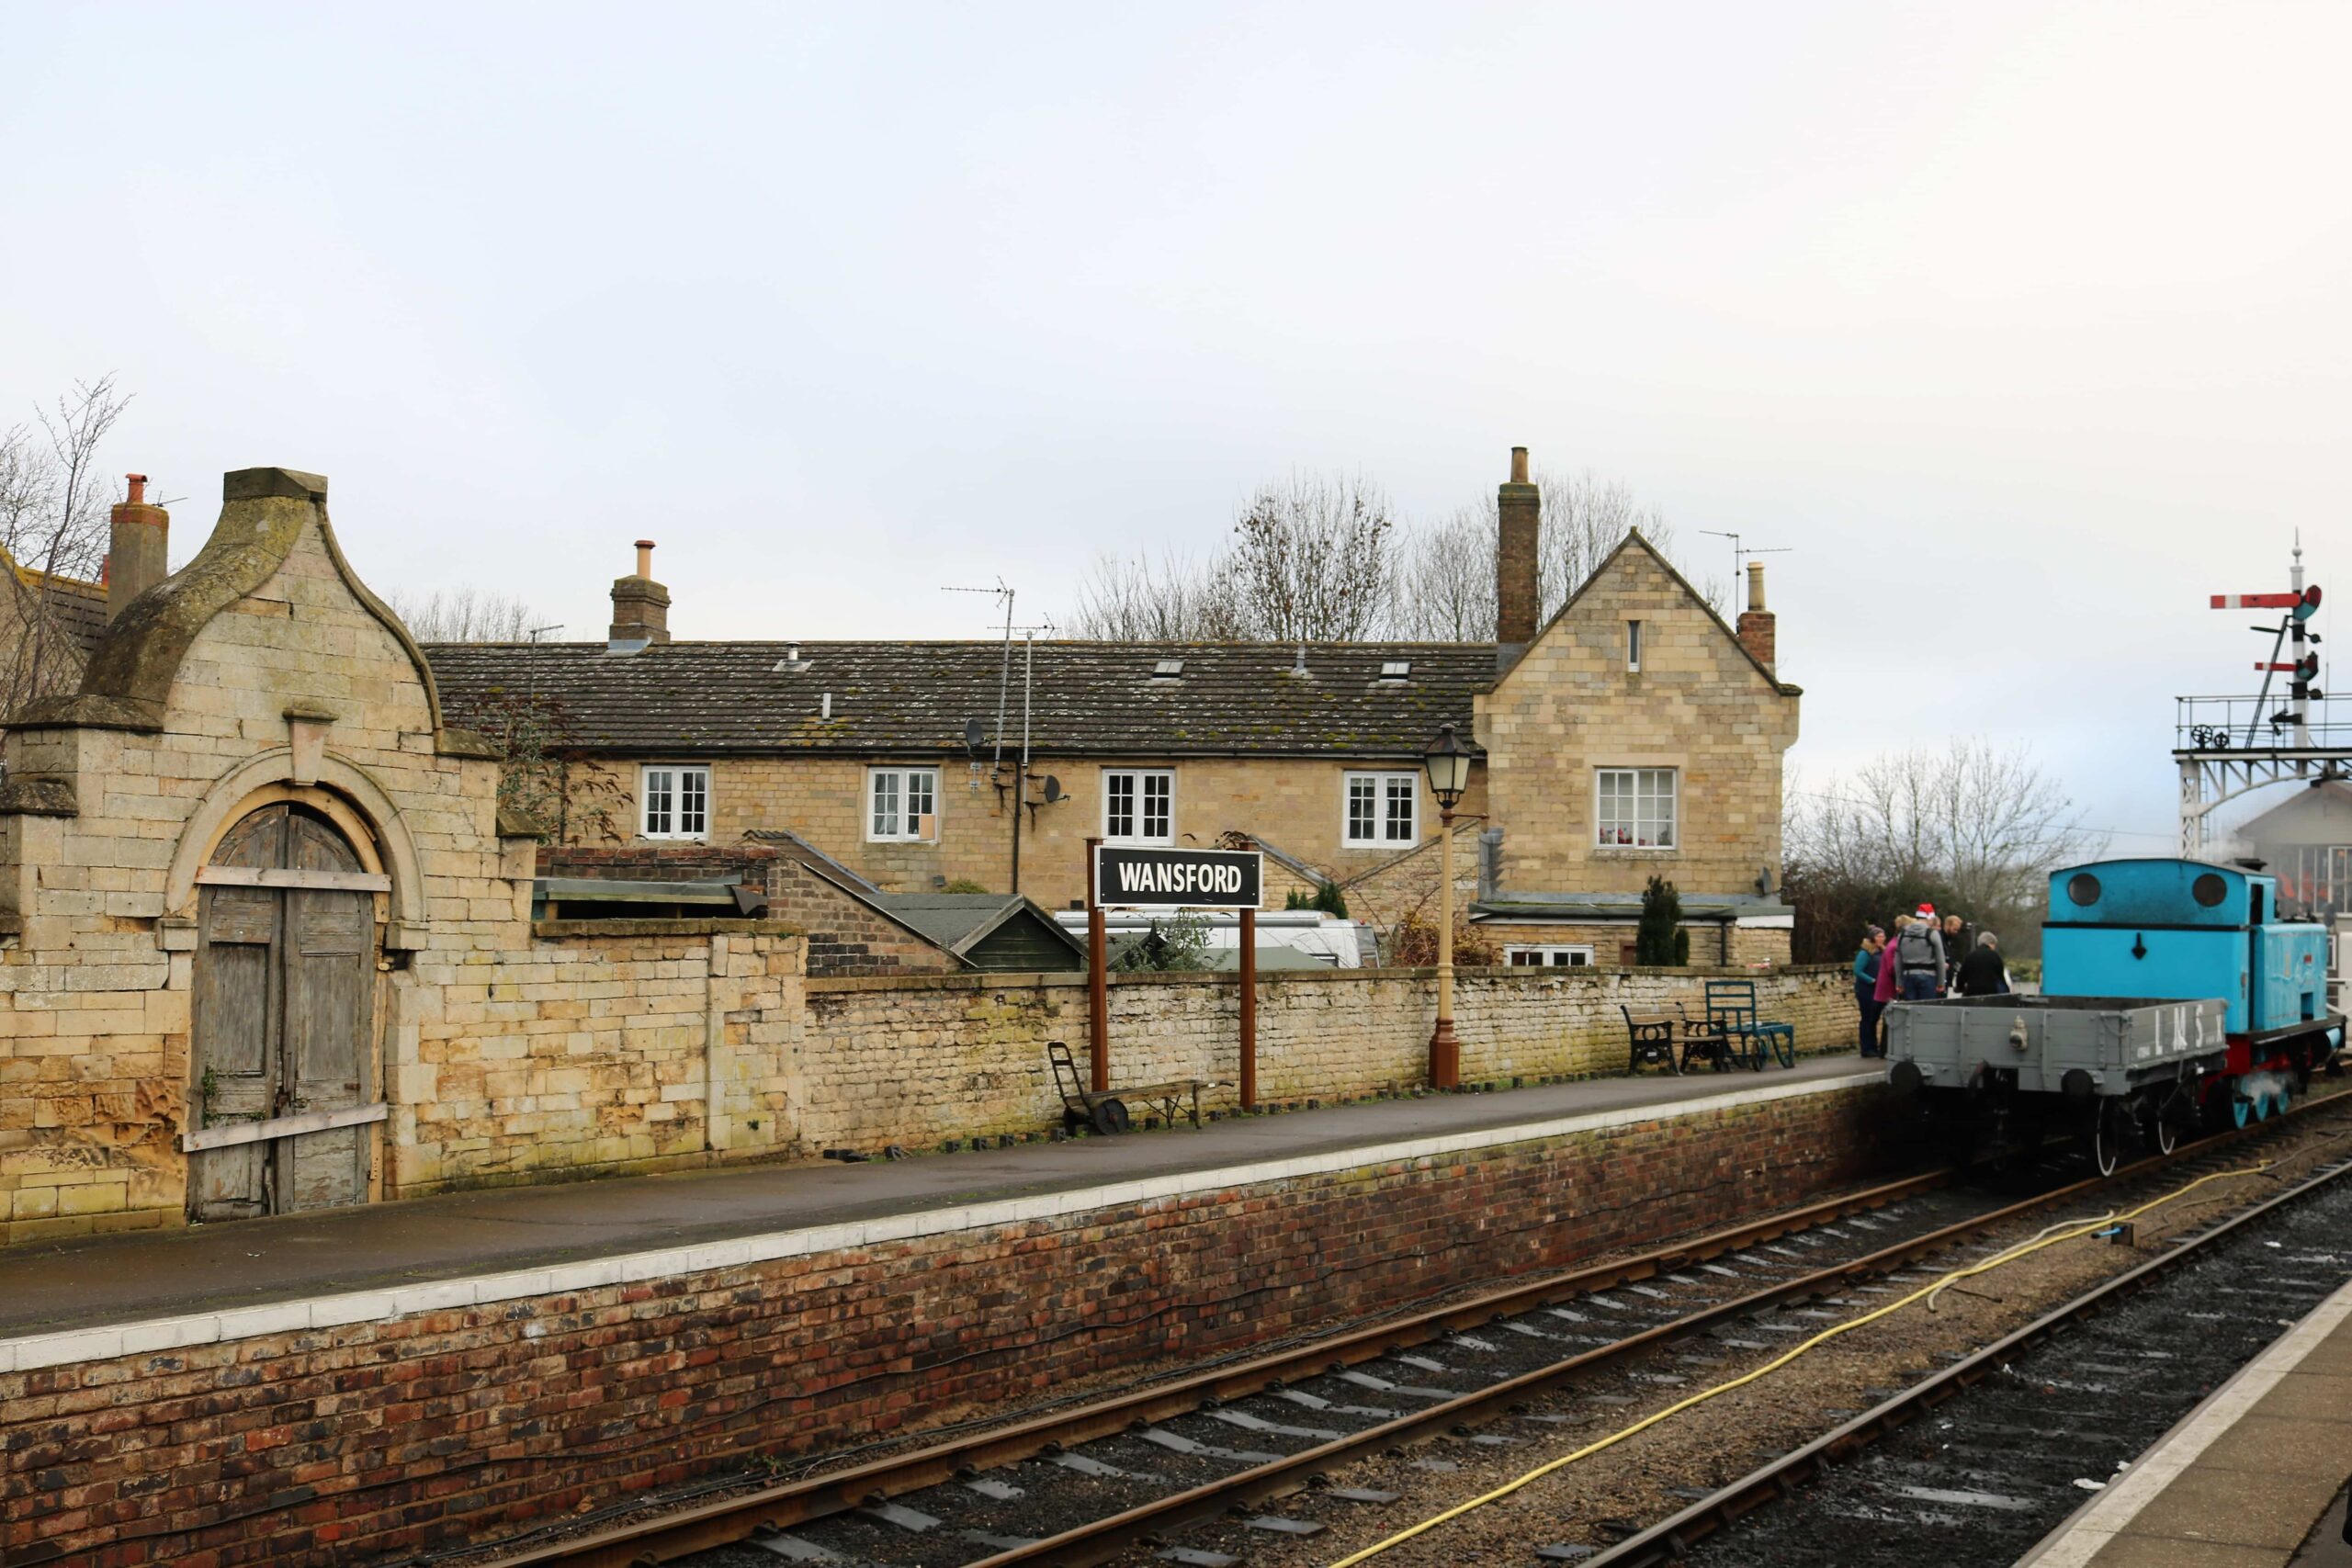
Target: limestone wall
column 916, row 1060
column 618, row 1044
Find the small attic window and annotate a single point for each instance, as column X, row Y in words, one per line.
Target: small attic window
column 1168, row 669
column 1397, row 670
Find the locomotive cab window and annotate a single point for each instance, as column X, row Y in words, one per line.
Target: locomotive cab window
column 2211, row 889
column 2083, row 888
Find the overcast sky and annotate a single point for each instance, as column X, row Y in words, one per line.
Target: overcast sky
column 2024, row 327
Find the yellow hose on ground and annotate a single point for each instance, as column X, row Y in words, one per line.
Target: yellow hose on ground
column 2024, row 1249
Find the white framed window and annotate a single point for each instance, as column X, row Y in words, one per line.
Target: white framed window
column 1634, row 646
column 1548, row 956
column 1383, row 809
column 1140, row 805
column 672, row 801
column 902, row 805
column 1636, row 808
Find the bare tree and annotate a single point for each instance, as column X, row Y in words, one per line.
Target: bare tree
column 1981, row 820
column 1446, row 587
column 1445, row 580
column 465, row 615
column 1313, row 557
column 53, row 527
column 1146, row 599
column 1313, row 560
column 1325, row 559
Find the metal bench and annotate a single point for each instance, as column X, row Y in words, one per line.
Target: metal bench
column 1731, row 1006
column 1707, row 1040
column 1105, row 1110
column 1651, row 1037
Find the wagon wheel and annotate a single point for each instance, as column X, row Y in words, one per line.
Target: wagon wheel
column 2159, row 1126
column 2107, row 1123
column 1110, row 1116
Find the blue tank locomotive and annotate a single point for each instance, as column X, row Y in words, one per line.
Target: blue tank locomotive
column 2175, row 995
column 2189, row 930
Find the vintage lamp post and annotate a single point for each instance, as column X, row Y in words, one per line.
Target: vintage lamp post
column 1449, row 768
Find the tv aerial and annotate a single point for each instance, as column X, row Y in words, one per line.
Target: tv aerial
column 1740, row 553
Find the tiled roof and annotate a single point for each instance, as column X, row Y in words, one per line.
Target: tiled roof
column 78, row 608
column 1090, row 698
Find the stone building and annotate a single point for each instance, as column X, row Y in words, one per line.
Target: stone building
column 265, row 939
column 268, row 938
column 1634, row 734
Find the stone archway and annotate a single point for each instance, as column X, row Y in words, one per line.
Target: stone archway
column 283, row 1013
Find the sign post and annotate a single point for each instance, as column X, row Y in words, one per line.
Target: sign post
column 1098, row 981
column 1124, row 876
column 1249, row 1009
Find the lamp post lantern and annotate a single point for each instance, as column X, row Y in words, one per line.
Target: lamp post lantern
column 1449, row 769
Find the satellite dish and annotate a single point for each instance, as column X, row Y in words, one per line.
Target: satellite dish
column 974, row 734
column 1053, row 789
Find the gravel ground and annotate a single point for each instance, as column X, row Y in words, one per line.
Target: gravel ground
column 1655, row 1472
column 1585, row 1505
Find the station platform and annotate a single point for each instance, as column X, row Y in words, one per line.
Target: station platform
column 71, row 1300
column 2240, row 1480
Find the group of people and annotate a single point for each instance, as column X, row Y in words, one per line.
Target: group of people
column 1928, row 956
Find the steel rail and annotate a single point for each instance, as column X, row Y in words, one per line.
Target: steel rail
column 1668, row 1539
column 671, row 1536
column 677, row 1535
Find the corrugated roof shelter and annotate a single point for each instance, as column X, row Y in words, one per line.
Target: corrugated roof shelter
column 988, row 931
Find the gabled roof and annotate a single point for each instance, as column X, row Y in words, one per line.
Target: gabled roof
column 1634, row 538
column 263, row 512
column 960, row 921
column 913, row 698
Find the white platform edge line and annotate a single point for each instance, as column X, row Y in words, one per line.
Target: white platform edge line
column 2088, row 1530
column 35, row 1352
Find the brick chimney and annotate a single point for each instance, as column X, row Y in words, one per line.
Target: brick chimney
column 1518, row 509
column 1755, row 623
column 136, row 553
column 640, row 605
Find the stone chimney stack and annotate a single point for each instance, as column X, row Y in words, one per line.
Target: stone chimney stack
column 1517, row 601
column 640, row 605
column 136, row 553
column 1756, row 625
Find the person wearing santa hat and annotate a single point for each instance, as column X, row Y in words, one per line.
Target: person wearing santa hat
column 1919, row 957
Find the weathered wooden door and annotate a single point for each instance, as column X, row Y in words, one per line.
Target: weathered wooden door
column 284, row 1010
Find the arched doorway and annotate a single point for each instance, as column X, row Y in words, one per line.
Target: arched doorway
column 285, row 1011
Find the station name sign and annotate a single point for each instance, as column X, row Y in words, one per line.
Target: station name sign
column 1176, row 879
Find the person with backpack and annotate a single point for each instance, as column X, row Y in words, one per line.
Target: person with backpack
column 1919, row 957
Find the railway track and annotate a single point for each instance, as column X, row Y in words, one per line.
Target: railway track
column 1135, row 1469
column 1976, row 1464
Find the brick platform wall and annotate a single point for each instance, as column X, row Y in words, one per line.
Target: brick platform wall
column 1321, row 1035
column 353, row 1443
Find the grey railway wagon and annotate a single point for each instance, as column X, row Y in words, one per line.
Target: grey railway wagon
column 2123, row 1044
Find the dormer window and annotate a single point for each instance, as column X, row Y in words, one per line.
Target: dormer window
column 1397, row 669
